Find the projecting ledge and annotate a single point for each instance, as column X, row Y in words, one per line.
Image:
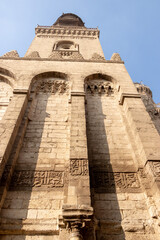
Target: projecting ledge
column 128, row 95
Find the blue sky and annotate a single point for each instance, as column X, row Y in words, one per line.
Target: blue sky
column 129, row 27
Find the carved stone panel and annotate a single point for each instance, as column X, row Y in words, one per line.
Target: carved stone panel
column 53, row 87
column 79, row 167
column 109, row 182
column 155, row 166
column 36, row 179
column 99, row 87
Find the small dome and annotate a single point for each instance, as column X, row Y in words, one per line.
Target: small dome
column 69, row 19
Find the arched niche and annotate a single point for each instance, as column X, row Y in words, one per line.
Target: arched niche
column 100, row 84
column 6, row 72
column 50, row 82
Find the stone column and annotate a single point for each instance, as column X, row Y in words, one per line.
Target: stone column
column 76, row 231
column 77, row 209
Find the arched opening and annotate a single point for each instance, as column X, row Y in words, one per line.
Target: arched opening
column 99, row 84
column 65, row 46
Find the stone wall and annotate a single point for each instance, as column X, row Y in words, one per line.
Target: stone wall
column 80, row 153
column 37, row 185
column 6, row 93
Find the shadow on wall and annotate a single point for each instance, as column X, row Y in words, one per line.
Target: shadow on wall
column 30, row 203
column 107, row 216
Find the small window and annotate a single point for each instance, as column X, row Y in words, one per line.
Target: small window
column 66, row 45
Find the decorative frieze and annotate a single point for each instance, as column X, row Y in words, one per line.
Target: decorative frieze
column 99, row 87
column 36, row 179
column 79, row 167
column 110, row 182
column 53, row 87
column 89, row 32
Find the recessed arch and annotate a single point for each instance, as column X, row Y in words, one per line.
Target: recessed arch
column 6, row 80
column 50, row 82
column 98, row 83
column 6, row 72
column 96, row 76
column 50, row 74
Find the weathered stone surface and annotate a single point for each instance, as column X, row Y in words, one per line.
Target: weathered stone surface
column 79, row 146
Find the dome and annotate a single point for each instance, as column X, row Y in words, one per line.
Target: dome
column 69, row 19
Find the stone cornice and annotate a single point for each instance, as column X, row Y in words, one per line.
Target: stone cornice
column 66, row 31
column 63, row 60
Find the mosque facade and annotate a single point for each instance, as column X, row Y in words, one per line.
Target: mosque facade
column 79, row 142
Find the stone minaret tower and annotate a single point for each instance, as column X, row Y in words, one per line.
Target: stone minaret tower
column 79, row 146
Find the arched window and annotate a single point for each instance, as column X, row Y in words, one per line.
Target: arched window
column 65, row 46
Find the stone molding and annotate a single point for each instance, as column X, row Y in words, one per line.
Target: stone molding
column 48, row 31
column 77, row 93
column 50, row 58
column 20, row 91
column 128, row 95
column 75, row 218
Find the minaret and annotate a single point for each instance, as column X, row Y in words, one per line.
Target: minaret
column 79, row 145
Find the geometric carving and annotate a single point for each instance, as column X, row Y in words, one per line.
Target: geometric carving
column 99, row 87
column 76, row 56
column 97, row 57
column 56, row 86
column 79, row 167
column 31, row 178
column 109, row 181
column 59, row 55
column 56, row 55
column 11, row 54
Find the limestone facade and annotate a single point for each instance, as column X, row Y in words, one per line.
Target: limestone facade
column 79, row 142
